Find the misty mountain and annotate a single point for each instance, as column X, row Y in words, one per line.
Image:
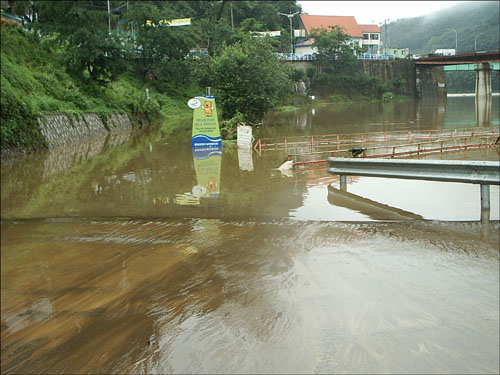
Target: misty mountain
column 473, row 21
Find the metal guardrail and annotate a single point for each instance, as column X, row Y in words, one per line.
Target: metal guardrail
column 476, row 172
column 485, row 173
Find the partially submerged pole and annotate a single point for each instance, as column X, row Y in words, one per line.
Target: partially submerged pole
column 485, row 202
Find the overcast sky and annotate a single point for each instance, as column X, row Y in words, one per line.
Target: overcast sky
column 367, row 12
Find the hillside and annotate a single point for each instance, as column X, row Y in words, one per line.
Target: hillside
column 476, row 21
column 35, row 81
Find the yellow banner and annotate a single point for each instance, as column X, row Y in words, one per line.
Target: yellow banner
column 176, row 22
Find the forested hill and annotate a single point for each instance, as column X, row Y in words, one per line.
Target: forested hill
column 474, row 20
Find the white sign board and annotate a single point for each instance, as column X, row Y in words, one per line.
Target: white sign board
column 245, row 136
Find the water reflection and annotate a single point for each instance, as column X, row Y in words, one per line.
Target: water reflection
column 61, row 158
column 373, row 209
column 451, row 112
column 245, row 159
column 153, row 174
column 483, row 110
column 207, row 164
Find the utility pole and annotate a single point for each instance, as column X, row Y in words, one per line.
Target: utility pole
column 456, row 40
column 109, row 20
column 385, row 36
column 290, row 16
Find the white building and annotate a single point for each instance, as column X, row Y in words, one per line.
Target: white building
column 366, row 36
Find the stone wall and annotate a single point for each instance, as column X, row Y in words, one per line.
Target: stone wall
column 430, row 82
column 415, row 82
column 60, row 129
column 392, row 70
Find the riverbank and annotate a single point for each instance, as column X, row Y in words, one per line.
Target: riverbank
column 36, row 83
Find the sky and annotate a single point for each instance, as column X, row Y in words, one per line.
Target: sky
column 374, row 12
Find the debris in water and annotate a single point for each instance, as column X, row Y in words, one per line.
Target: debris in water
column 356, row 151
column 286, row 166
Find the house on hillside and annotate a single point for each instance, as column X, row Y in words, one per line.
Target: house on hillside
column 365, row 36
column 399, row 53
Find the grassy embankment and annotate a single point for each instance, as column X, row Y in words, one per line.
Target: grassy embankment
column 34, row 82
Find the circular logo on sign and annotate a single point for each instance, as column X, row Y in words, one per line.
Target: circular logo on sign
column 194, row 103
column 199, row 191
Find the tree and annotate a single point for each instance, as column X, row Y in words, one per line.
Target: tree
column 82, row 28
column 336, row 55
column 248, row 78
column 158, row 45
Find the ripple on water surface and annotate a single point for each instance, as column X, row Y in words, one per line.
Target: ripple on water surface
column 205, row 295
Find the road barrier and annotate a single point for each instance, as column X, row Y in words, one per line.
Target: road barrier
column 485, row 173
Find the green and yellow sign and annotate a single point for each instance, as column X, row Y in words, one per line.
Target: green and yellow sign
column 205, row 133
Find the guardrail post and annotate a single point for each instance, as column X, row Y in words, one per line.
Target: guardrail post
column 343, row 182
column 485, row 202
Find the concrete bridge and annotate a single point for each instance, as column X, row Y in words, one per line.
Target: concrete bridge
column 483, row 61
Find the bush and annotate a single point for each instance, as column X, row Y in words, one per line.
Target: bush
column 248, row 79
column 387, row 96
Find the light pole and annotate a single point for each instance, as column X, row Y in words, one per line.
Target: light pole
column 109, row 21
column 290, row 16
column 456, row 40
column 475, row 40
column 385, row 36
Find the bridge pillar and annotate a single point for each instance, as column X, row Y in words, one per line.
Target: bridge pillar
column 483, row 94
column 483, row 80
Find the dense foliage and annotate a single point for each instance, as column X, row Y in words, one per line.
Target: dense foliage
column 102, row 56
column 337, row 73
column 248, row 79
column 335, row 54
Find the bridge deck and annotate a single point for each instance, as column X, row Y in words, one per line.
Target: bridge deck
column 465, row 58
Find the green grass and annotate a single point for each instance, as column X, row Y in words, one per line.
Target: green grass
column 35, row 82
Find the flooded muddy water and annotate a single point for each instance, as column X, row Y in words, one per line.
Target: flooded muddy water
column 143, row 258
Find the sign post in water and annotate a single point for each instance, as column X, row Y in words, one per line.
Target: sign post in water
column 206, row 133
column 206, row 145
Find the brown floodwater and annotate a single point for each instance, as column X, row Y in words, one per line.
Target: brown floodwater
column 132, row 255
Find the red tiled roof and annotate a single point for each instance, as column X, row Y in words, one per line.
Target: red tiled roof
column 369, row 28
column 348, row 23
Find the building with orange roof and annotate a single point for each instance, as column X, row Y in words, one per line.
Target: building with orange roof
column 366, row 36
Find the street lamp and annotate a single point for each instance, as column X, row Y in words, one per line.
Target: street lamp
column 290, row 16
column 456, row 39
column 475, row 40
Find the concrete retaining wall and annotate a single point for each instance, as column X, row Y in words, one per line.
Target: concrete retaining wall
column 416, row 82
column 60, row 129
column 392, row 70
